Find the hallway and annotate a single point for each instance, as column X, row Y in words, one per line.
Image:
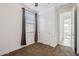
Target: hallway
column 39, row 49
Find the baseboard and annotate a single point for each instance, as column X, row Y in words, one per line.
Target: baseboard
column 8, row 51
column 49, row 44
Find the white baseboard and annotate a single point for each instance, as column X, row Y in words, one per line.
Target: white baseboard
column 48, row 44
column 8, row 51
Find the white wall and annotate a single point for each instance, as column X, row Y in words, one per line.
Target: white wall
column 10, row 27
column 48, row 26
column 48, row 29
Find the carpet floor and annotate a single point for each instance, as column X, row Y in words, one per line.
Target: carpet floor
column 39, row 49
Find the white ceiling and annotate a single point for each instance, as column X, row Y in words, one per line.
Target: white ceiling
column 42, row 6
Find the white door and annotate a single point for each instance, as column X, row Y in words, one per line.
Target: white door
column 67, row 29
column 30, row 27
column 73, row 27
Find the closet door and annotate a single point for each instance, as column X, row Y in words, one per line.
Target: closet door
column 30, row 27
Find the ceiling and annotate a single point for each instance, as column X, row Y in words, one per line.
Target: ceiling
column 42, row 6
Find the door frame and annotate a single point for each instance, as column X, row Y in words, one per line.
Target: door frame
column 75, row 23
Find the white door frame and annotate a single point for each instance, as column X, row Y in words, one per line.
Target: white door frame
column 75, row 22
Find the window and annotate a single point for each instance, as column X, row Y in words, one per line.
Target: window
column 30, row 21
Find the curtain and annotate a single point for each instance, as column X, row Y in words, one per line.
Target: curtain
column 23, row 38
column 36, row 32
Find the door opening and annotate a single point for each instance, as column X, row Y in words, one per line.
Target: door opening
column 67, row 26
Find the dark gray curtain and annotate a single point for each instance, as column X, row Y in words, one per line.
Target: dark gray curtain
column 23, row 38
column 75, row 31
column 36, row 29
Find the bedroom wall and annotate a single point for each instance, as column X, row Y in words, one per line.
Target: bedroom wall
column 10, row 27
column 48, row 27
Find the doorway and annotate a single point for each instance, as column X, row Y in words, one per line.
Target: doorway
column 67, row 28
column 66, row 18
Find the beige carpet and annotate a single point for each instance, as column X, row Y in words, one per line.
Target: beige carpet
column 39, row 49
